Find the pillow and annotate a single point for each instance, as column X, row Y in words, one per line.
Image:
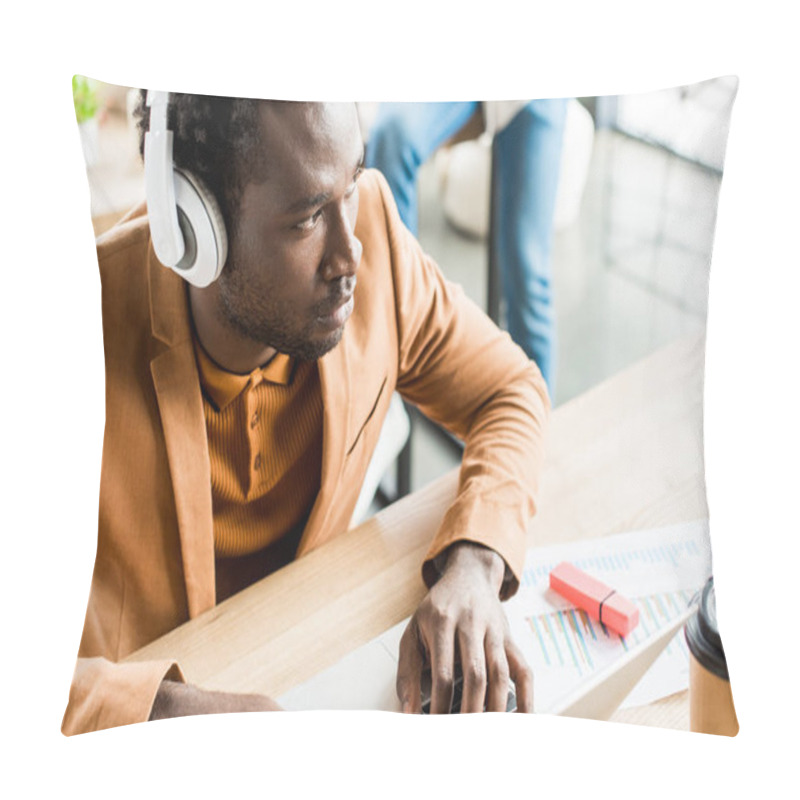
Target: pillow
column 244, row 440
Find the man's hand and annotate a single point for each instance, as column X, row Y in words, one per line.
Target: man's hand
column 461, row 616
column 175, row 699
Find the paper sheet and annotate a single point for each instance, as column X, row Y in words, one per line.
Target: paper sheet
column 660, row 570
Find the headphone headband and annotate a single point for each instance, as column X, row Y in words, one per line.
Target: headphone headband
column 160, row 184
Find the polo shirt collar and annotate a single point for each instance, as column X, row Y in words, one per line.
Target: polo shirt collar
column 224, row 387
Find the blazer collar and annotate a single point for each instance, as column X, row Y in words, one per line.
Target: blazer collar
column 170, row 320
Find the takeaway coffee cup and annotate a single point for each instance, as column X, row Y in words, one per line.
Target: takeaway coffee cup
column 710, row 700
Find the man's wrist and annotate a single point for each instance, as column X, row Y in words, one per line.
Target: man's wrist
column 466, row 555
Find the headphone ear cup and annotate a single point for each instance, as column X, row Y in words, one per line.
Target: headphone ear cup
column 203, row 229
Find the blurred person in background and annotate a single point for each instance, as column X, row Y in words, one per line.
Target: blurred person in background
column 528, row 144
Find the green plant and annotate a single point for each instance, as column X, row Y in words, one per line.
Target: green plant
column 85, row 98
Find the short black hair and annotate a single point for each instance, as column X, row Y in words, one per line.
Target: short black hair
column 217, row 139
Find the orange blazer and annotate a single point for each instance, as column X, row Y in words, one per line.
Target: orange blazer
column 410, row 331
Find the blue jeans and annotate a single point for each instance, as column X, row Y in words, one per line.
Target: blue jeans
column 527, row 164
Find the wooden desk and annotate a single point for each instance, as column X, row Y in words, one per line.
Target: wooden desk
column 628, row 454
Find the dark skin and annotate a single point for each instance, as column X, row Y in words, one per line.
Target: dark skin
column 287, row 286
column 293, row 258
column 461, row 618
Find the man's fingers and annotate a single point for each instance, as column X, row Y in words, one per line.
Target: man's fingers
column 473, row 669
column 409, row 671
column 498, row 673
column 442, row 653
column 522, row 676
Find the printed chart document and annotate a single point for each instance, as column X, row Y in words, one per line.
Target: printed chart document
column 661, row 570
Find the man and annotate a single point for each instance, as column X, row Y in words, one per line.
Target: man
column 241, row 416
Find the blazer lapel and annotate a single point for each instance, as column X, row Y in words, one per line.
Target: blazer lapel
column 334, row 378
column 177, row 387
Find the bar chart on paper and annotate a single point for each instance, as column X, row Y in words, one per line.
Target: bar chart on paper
column 570, row 645
column 660, row 570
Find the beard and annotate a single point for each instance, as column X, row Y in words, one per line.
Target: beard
column 273, row 324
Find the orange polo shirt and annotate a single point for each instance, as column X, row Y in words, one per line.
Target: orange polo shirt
column 265, row 448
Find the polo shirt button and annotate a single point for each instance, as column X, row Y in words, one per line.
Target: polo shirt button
column 257, row 462
column 254, row 420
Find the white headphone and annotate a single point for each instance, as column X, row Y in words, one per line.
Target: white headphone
column 186, row 224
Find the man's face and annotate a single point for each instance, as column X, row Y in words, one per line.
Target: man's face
column 291, row 270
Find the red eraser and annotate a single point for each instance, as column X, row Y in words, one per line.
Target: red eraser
column 599, row 601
